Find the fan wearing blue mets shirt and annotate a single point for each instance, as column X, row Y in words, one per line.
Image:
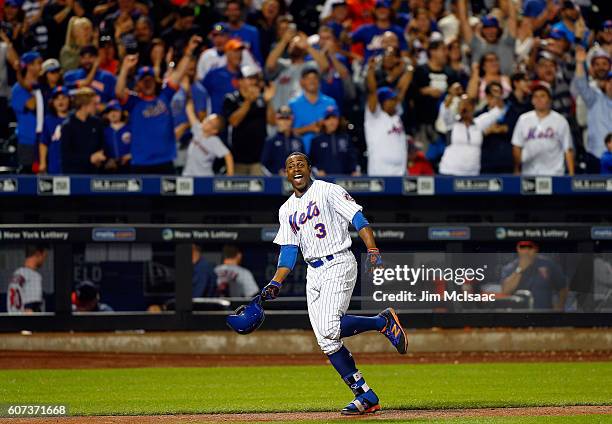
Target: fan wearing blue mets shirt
column 315, row 219
column 153, row 143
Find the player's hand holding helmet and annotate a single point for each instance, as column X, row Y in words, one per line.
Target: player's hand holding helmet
column 271, row 290
column 374, row 260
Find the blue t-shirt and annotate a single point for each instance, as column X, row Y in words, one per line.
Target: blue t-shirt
column 204, row 280
column 26, row 118
column 103, row 82
column 305, row 113
column 250, row 36
column 331, row 82
column 371, row 37
column 117, row 142
column 51, row 139
column 606, row 163
column 152, row 128
column 218, row 83
column 276, row 150
column 179, row 101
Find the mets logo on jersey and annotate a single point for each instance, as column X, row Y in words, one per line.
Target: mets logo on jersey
column 348, row 197
column 312, row 210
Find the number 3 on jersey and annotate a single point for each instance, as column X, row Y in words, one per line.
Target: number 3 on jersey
column 322, row 232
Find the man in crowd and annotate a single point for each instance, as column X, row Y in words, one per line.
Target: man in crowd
column 245, row 111
column 25, row 291
column 87, row 298
column 287, row 72
column 82, row 136
column 542, row 142
column 88, row 75
column 309, row 108
column 153, row 142
column 598, row 103
column 221, row 81
column 492, row 37
column 332, row 152
column 215, row 57
column 27, row 102
column 278, row 147
column 370, row 35
column 241, row 30
column 429, row 84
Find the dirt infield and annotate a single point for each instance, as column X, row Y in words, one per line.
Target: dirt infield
column 58, row 360
column 326, row 416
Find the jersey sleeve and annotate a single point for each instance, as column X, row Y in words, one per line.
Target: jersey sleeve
column 285, row 233
column 343, row 203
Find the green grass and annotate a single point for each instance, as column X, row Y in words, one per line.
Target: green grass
column 308, row 388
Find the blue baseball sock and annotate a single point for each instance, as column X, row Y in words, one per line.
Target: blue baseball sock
column 353, row 324
column 343, row 362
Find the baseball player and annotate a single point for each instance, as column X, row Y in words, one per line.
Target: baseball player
column 25, row 292
column 315, row 219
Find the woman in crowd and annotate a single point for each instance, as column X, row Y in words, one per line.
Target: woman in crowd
column 80, row 33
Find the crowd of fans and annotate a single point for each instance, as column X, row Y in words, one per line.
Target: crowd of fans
column 376, row 87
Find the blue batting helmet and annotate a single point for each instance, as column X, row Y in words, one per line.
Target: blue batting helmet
column 247, row 318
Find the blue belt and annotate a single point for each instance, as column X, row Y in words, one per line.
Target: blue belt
column 318, row 262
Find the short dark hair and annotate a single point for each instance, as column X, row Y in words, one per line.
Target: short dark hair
column 434, row 44
column 230, row 251
column 542, row 87
column 516, row 77
column 608, row 138
column 489, row 87
column 33, row 249
column 238, row 2
column 299, row 154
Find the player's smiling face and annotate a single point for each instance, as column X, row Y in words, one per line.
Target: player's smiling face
column 298, row 172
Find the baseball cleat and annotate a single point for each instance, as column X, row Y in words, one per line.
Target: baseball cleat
column 394, row 332
column 365, row 403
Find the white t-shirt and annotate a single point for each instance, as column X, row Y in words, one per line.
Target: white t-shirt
column 211, row 59
column 202, row 152
column 317, row 221
column 24, row 287
column 386, row 142
column 544, row 143
column 462, row 156
column 238, row 279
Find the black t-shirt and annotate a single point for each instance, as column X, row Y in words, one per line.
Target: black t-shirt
column 247, row 139
column 57, row 31
column 79, row 140
column 426, row 107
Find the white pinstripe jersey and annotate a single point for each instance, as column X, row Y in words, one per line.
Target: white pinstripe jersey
column 317, row 221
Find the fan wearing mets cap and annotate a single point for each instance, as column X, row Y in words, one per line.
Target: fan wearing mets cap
column 316, row 220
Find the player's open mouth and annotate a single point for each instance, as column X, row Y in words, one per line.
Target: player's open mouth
column 298, row 178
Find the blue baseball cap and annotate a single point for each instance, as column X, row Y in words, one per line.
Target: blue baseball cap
column 143, row 72
column 533, row 8
column 113, row 105
column 385, row 93
column 383, row 3
column 489, row 22
column 28, row 58
column 558, row 34
column 58, row 91
column 331, row 110
column 220, row 28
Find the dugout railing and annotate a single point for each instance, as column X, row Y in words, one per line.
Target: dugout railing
column 456, row 238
